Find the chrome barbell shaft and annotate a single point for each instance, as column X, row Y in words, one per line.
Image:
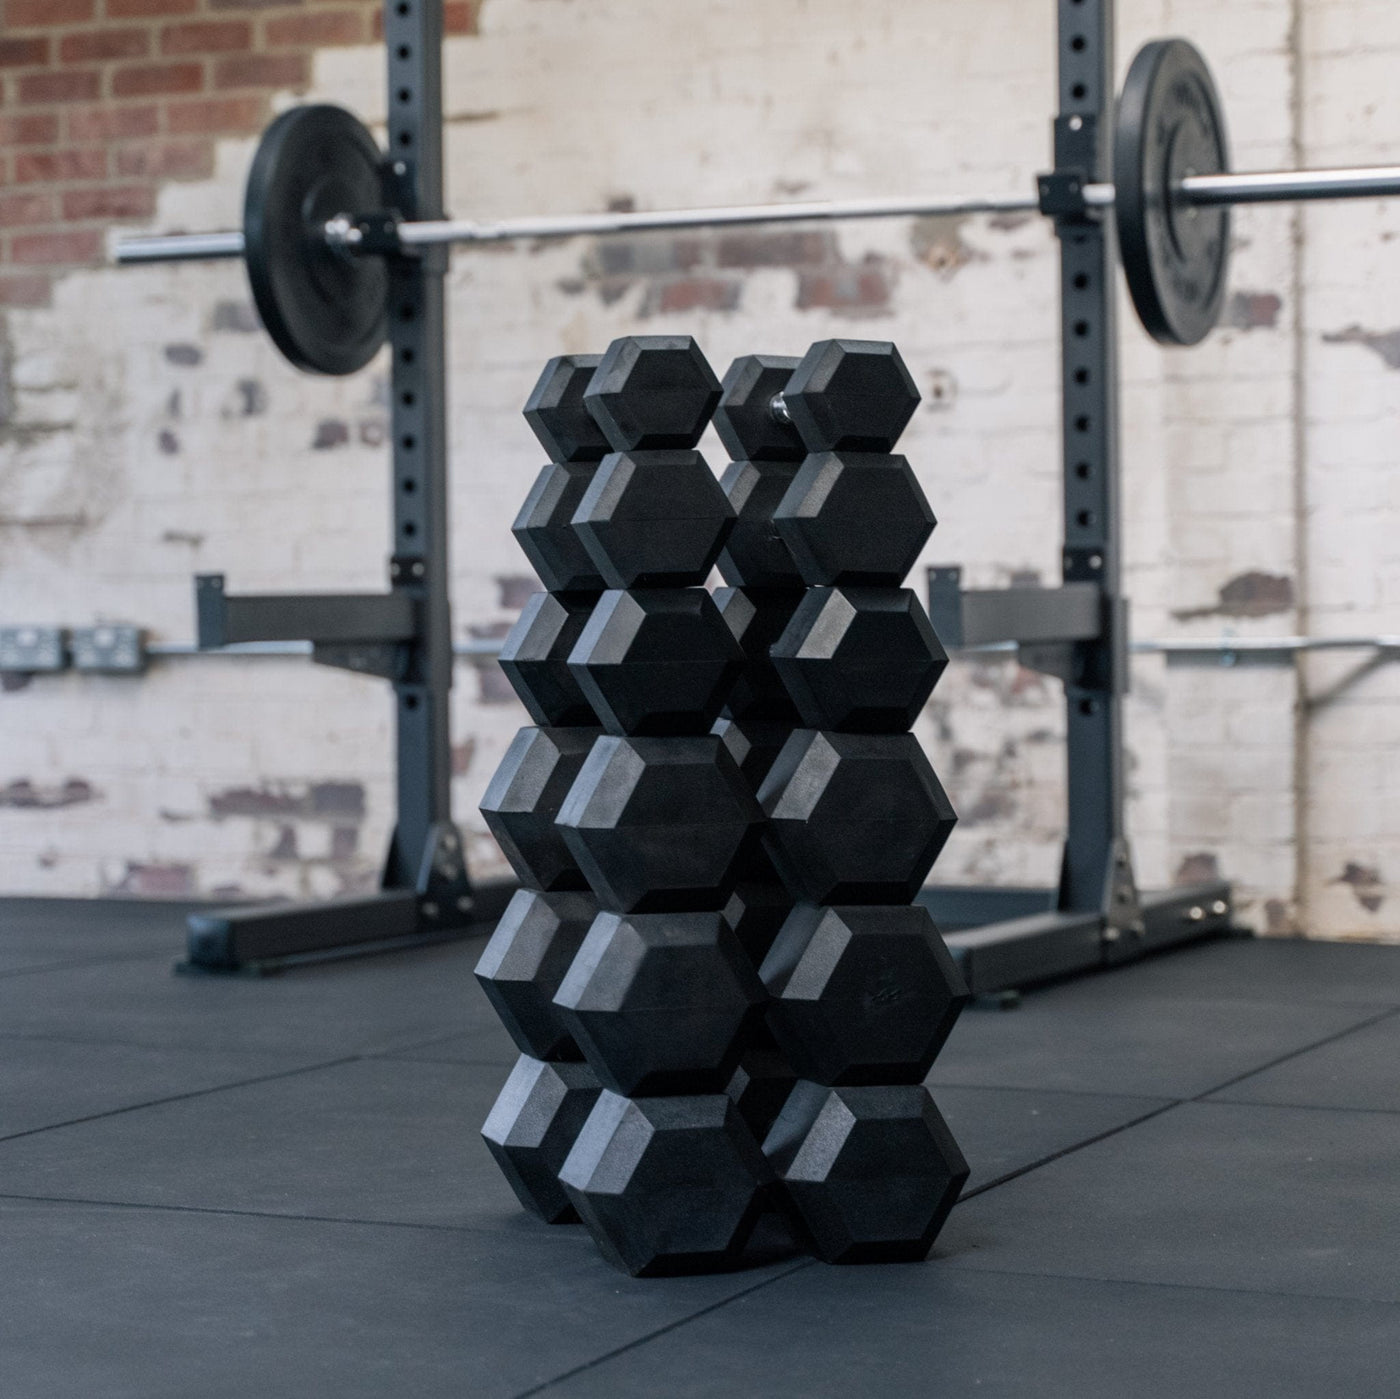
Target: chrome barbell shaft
column 1263, row 187
column 1292, row 186
column 180, row 247
column 574, row 225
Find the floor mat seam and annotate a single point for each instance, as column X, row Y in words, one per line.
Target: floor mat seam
column 181, row 1097
column 662, row 1331
column 1296, row 1053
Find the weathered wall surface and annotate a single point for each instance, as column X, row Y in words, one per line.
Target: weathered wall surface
column 149, row 432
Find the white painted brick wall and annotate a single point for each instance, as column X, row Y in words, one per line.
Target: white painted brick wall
column 134, row 470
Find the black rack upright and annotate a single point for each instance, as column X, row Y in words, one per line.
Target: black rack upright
column 404, row 636
column 1078, row 633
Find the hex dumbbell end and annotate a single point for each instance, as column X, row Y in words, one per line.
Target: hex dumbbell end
column 653, row 393
column 869, row 1175
column 623, row 1172
column 849, row 395
column 557, row 414
column 532, row 1128
column 745, row 419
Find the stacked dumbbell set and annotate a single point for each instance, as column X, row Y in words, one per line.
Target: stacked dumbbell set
column 724, row 998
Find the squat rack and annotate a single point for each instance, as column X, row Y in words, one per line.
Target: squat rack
column 1078, row 633
column 1175, row 251
column 404, row 635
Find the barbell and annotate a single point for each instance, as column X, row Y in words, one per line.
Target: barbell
column 315, row 232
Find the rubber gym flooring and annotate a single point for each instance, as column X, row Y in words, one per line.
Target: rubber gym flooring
column 1186, row 1182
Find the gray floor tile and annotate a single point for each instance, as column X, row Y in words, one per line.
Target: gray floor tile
column 374, row 1139
column 47, row 1082
column 483, row 1041
column 1291, row 970
column 397, row 1140
column 1002, row 1130
column 929, row 1330
column 1221, row 1195
column 341, row 1230
column 337, row 1008
column 1359, row 1070
column 1131, row 1044
column 150, row 1304
column 55, row 932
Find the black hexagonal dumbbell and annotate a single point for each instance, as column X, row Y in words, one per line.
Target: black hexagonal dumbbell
column 524, row 796
column 759, row 905
column 653, row 519
column 660, row 1002
column 766, row 451
column 535, row 659
column 757, row 619
column 533, row 1126
column 849, row 396
column 659, row 824
column 545, row 532
column 761, row 1084
column 667, row 1185
column 853, row 818
column 656, row 660
column 558, row 415
column 748, row 420
column 523, row 963
column 854, row 517
column 861, row 994
column 575, row 443
column 754, row 744
column 653, row 516
column 864, row 660
column 869, row 1174
column 755, row 554
column 652, row 392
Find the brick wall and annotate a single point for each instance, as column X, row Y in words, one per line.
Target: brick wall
column 102, row 101
column 1260, row 484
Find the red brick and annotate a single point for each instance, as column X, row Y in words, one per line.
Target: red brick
column 44, row 14
column 48, row 167
column 862, row 287
column 75, row 85
column 700, row 294
column 149, row 78
column 57, row 246
column 180, row 160
column 321, row 27
column 215, row 115
column 110, row 202
column 23, row 53
column 145, row 9
column 113, row 123
column 207, row 36
column 777, row 249
column 94, row 45
column 27, row 208
column 25, row 289
column 459, row 17
column 263, row 70
column 33, row 129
